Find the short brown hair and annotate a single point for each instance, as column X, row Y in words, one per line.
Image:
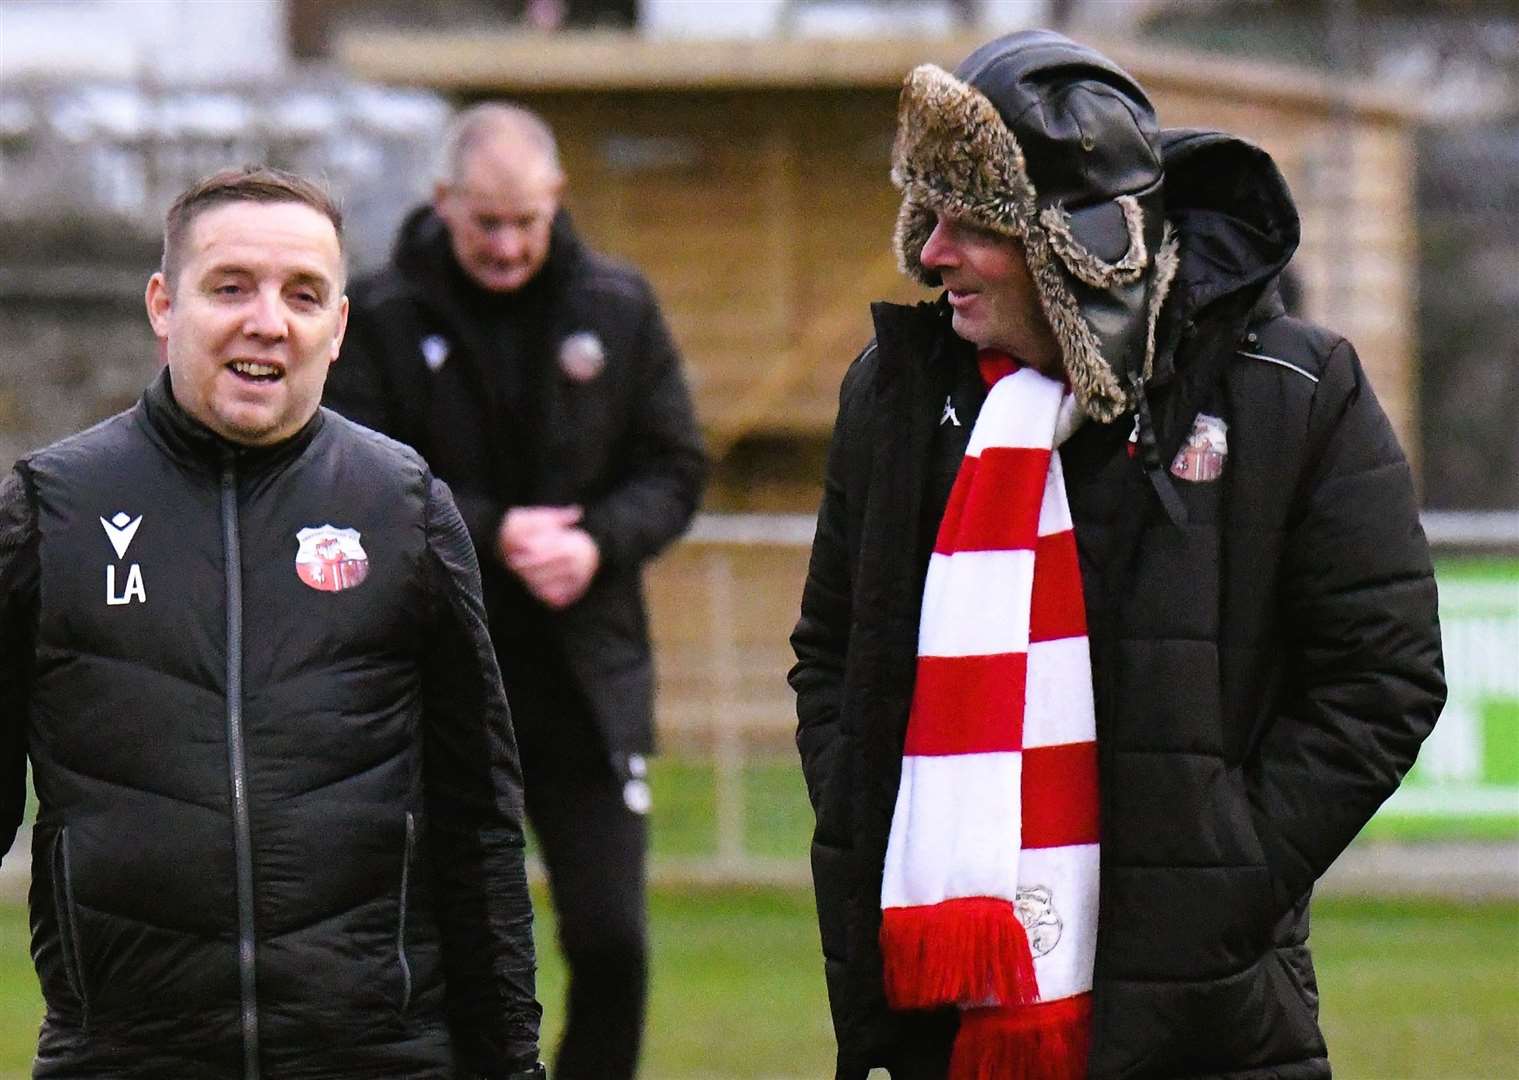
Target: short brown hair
column 251, row 183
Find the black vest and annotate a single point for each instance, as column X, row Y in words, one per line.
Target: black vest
column 223, row 731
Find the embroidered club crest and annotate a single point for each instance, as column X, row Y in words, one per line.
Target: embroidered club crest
column 1202, row 456
column 1036, row 911
column 330, row 559
column 434, row 351
column 581, row 356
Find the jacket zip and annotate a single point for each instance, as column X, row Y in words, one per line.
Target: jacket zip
column 68, row 924
column 237, row 766
column 411, row 843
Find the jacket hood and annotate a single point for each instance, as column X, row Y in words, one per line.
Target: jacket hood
column 1050, row 143
column 1231, row 208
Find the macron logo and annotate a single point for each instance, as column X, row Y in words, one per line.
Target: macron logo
column 119, row 530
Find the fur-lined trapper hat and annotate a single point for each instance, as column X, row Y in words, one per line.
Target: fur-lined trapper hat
column 1046, row 141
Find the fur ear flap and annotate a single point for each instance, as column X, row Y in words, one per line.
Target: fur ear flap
column 915, row 224
column 1167, row 259
column 1091, row 268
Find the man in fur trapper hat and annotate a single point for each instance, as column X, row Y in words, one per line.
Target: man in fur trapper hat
column 1119, row 623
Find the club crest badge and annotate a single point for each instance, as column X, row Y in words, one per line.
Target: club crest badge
column 581, row 356
column 330, row 559
column 1202, row 456
column 1036, row 911
column 434, row 351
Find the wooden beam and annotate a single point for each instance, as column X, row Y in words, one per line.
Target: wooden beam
column 522, row 62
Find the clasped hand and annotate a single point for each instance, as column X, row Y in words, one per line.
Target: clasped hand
column 546, row 548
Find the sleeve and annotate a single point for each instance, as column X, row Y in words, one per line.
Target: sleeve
column 1366, row 678
column 821, row 637
column 473, row 783
column 667, row 465
column 18, row 620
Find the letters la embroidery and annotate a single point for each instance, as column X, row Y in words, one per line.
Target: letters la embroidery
column 330, row 559
column 120, row 528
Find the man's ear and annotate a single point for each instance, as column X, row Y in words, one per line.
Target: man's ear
column 440, row 199
column 159, row 299
column 337, row 339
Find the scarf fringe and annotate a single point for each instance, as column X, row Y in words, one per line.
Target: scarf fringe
column 970, row 951
column 1048, row 1041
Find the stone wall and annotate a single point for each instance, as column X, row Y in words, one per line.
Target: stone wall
column 75, row 346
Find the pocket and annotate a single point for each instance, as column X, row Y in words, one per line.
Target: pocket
column 406, row 859
column 68, row 922
column 830, row 884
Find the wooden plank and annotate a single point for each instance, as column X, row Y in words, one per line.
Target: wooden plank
column 518, row 62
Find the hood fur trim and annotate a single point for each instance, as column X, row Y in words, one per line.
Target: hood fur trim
column 953, row 154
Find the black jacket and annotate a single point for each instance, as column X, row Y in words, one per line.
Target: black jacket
column 1263, row 675
column 475, row 382
column 279, row 825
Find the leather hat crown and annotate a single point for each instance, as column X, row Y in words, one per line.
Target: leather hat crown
column 1048, row 142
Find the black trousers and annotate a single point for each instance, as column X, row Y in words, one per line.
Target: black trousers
column 594, row 848
column 925, row 1041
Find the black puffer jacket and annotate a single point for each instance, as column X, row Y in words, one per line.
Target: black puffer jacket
column 1263, row 674
column 279, row 826
column 477, row 383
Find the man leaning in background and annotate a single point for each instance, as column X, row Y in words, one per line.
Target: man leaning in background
column 279, row 827
column 539, row 380
column 1119, row 623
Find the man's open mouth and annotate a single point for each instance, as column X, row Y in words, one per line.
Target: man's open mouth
column 253, row 371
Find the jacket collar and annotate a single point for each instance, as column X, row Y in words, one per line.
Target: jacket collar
column 191, row 443
column 425, row 258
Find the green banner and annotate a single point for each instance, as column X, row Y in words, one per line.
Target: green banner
column 1466, row 781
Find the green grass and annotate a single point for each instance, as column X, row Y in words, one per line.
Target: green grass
column 1419, row 990
column 1476, row 827
column 777, row 818
column 20, row 1009
column 1411, row 991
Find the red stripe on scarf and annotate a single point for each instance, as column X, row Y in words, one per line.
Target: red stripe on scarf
column 970, row 705
column 1057, row 578
column 1048, row 1041
column 1007, row 522
column 1059, row 795
column 995, row 365
column 970, row 949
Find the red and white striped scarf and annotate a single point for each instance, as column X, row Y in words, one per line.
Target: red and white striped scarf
column 989, row 900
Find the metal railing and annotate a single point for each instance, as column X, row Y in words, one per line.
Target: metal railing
column 717, row 709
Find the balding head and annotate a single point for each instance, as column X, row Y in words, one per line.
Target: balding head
column 499, row 193
column 502, row 126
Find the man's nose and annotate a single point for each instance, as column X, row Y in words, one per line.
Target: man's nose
column 939, row 252
column 266, row 316
column 506, row 243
